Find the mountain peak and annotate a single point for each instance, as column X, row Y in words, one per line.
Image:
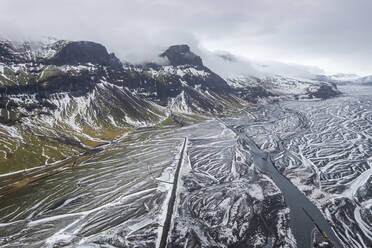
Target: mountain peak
column 76, row 52
column 181, row 55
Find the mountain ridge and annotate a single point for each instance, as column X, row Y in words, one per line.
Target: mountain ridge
column 78, row 90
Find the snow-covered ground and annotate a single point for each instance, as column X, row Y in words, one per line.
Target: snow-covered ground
column 119, row 197
column 324, row 148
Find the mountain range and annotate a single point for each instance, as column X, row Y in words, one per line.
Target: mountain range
column 346, row 79
column 61, row 98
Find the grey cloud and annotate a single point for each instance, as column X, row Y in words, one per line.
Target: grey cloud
column 332, row 34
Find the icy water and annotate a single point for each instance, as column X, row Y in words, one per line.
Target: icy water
column 325, row 149
column 301, row 224
column 232, row 190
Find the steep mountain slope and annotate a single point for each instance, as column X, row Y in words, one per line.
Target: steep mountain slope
column 63, row 98
column 185, row 85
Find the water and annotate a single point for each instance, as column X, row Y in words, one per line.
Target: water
column 301, row 225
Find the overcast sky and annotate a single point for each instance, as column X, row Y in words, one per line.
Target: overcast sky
column 334, row 35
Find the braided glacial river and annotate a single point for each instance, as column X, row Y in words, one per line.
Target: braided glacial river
column 243, row 182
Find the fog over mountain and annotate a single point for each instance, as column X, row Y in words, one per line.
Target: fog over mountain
column 332, row 35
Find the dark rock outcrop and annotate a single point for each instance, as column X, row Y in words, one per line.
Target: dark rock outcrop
column 82, row 52
column 7, row 53
column 325, row 91
column 253, row 93
column 182, row 55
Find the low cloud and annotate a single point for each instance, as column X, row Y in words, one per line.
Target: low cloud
column 332, row 34
column 229, row 65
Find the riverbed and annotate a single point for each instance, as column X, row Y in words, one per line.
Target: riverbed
column 245, row 182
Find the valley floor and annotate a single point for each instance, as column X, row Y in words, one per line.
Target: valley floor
column 228, row 192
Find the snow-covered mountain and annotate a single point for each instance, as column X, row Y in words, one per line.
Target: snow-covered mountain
column 66, row 97
column 252, row 80
column 278, row 87
column 345, row 79
column 63, row 97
